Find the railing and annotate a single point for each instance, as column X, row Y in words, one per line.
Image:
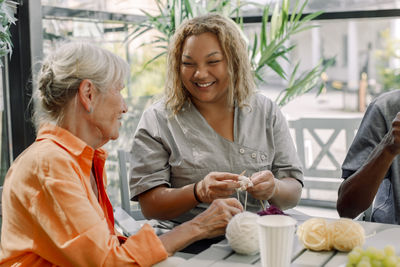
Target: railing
column 329, row 139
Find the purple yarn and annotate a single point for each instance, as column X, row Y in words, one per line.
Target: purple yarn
column 271, row 210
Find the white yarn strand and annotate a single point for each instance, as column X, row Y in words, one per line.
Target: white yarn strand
column 245, row 201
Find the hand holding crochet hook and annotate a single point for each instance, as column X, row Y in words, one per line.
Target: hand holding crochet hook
column 261, row 185
column 264, row 185
column 283, row 192
column 217, row 185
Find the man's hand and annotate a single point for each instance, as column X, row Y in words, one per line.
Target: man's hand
column 392, row 138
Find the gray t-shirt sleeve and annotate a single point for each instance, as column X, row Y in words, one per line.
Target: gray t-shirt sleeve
column 149, row 161
column 372, row 129
column 286, row 162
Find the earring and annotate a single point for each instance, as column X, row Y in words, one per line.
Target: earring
column 90, row 110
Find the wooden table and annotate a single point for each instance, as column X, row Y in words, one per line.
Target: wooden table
column 221, row 254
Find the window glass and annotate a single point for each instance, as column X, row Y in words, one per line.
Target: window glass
column 120, row 6
column 333, row 5
column 4, row 142
column 372, row 56
column 142, row 84
column 365, row 50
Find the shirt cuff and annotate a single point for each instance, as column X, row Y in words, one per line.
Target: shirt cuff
column 146, row 247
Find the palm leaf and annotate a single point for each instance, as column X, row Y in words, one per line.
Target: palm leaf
column 294, row 12
column 154, row 58
column 188, row 8
column 275, row 66
column 263, row 33
column 254, row 49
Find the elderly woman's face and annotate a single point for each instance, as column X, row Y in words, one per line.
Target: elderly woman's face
column 108, row 112
column 204, row 69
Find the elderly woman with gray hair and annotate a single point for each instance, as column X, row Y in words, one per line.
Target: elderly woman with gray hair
column 55, row 207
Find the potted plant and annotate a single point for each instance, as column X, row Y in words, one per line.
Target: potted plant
column 6, row 19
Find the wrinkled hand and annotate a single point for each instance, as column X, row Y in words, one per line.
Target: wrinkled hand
column 213, row 221
column 217, row 185
column 264, row 185
column 392, row 138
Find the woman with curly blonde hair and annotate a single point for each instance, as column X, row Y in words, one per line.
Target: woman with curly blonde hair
column 241, row 82
column 190, row 147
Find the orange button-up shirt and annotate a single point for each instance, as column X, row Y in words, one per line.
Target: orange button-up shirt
column 51, row 216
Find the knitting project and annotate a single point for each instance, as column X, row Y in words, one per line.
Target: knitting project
column 244, row 182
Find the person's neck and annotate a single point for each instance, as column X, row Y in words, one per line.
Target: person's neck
column 216, row 109
column 220, row 118
column 76, row 123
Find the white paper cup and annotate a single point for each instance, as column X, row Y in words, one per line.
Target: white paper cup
column 276, row 234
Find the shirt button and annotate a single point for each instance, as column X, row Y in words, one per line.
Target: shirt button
column 253, row 155
column 241, row 151
column 262, row 157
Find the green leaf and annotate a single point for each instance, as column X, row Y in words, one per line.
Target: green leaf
column 305, row 28
column 300, row 13
column 277, row 68
column 254, row 50
column 154, row 58
column 136, row 33
column 294, row 12
column 307, row 81
column 274, row 21
column 259, row 77
column 263, row 33
column 311, row 16
column 6, row 19
column 188, row 8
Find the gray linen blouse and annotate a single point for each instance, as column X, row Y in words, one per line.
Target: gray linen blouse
column 176, row 150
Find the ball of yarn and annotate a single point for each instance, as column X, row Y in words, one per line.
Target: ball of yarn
column 242, row 233
column 343, row 234
column 315, row 234
column 347, row 234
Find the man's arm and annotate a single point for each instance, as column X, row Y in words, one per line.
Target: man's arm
column 357, row 192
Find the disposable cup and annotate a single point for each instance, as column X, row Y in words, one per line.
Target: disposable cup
column 276, row 234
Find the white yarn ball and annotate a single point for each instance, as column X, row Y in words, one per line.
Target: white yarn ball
column 242, row 233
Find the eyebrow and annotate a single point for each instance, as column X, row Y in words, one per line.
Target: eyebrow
column 209, row 55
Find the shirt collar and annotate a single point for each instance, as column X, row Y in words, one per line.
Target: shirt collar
column 67, row 140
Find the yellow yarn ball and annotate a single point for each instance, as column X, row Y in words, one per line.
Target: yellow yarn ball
column 344, row 234
column 347, row 234
column 315, row 234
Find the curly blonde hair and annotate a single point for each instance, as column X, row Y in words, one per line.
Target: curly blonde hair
column 241, row 80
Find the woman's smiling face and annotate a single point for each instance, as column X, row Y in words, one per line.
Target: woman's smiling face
column 107, row 112
column 204, row 69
